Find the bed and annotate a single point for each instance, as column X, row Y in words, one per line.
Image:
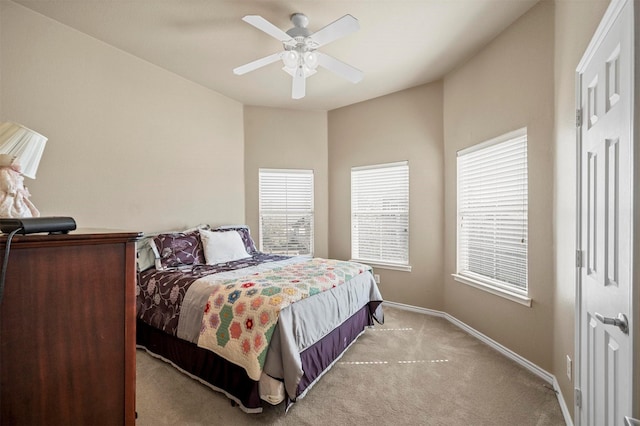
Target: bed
column 257, row 327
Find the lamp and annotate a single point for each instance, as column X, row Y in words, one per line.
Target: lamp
column 20, row 153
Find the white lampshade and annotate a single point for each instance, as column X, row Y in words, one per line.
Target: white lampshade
column 24, row 144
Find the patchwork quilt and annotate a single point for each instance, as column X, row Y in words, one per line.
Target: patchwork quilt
column 241, row 314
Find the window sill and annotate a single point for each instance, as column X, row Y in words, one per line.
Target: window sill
column 404, row 268
column 514, row 297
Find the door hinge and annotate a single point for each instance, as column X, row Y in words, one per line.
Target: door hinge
column 578, row 397
column 578, row 258
column 579, row 117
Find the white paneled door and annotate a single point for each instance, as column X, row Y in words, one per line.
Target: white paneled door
column 605, row 117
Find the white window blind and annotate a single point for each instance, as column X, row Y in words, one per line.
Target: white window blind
column 492, row 212
column 286, row 211
column 380, row 214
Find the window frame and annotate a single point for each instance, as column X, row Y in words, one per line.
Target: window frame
column 492, row 285
column 311, row 211
column 381, row 262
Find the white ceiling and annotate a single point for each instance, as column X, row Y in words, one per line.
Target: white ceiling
column 400, row 44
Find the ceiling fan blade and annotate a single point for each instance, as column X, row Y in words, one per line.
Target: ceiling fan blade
column 335, row 30
column 299, row 82
column 243, row 69
column 263, row 25
column 352, row 74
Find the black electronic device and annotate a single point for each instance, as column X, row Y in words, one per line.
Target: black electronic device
column 32, row 225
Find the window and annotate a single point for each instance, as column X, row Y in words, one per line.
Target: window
column 286, row 211
column 380, row 215
column 492, row 215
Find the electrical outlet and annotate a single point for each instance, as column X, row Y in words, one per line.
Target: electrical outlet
column 377, row 278
column 569, row 369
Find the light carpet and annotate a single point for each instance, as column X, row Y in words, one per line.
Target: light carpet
column 415, row 369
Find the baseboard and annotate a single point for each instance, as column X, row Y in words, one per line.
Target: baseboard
column 417, row 309
column 563, row 405
column 540, row 372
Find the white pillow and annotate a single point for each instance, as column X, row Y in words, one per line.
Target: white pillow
column 145, row 254
column 222, row 247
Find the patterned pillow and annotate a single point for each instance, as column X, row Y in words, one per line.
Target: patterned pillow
column 245, row 234
column 147, row 252
column 178, row 249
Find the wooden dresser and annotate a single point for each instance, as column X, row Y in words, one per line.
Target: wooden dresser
column 67, row 329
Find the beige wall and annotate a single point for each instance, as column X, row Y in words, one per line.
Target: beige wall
column 506, row 86
column 402, row 126
column 575, row 23
column 130, row 145
column 287, row 139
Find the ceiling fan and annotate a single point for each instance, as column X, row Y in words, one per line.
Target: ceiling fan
column 300, row 55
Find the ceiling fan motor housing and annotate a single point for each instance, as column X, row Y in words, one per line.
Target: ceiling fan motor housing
column 299, row 20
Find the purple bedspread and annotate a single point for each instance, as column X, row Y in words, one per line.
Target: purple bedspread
column 159, row 294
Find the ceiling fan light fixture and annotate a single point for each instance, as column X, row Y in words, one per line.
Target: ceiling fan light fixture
column 290, row 59
column 311, row 60
column 306, row 71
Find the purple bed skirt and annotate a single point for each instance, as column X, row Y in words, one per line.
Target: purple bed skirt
column 232, row 379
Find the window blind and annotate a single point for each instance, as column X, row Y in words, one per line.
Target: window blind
column 492, row 212
column 380, row 213
column 286, row 211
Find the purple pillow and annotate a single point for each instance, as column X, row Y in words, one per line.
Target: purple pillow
column 178, row 249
